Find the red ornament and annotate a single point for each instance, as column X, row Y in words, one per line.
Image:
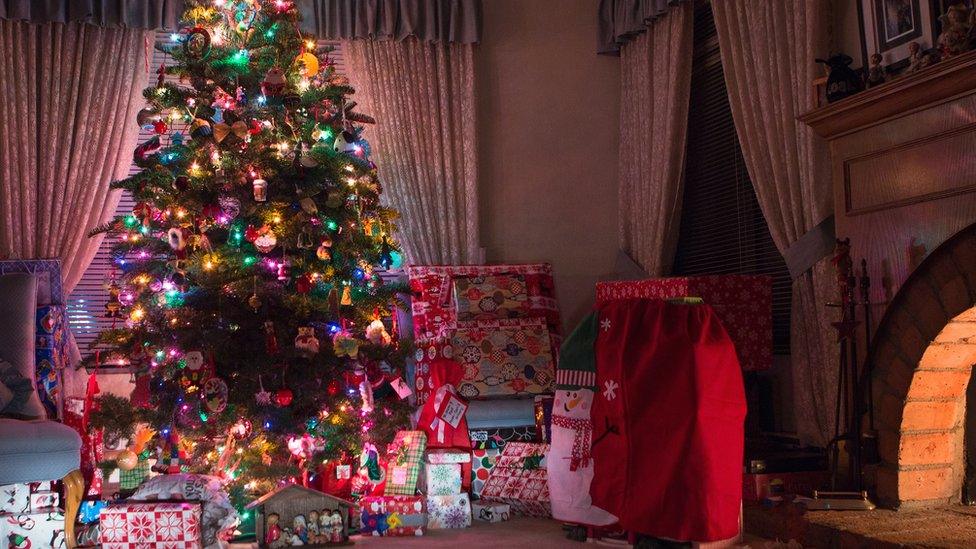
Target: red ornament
column 160, row 127
column 284, row 397
column 255, row 127
column 251, row 233
column 304, row 284
column 333, row 387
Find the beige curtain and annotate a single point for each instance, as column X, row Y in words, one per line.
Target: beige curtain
column 768, row 50
column 424, row 142
column 655, row 84
column 69, row 93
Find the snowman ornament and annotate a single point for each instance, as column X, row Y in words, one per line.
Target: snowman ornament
column 569, row 462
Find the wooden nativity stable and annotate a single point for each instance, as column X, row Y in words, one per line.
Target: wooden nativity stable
column 299, row 516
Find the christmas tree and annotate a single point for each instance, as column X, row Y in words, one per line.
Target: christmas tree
column 248, row 294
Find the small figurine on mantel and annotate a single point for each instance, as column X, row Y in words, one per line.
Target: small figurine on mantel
column 917, row 59
column 956, row 26
column 876, row 72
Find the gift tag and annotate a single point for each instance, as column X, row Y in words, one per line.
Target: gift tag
column 401, row 388
column 399, row 475
column 452, row 410
column 343, row 472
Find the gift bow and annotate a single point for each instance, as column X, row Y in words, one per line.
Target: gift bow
column 222, row 130
column 393, row 521
column 532, row 463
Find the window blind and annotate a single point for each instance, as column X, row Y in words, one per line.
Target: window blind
column 723, row 230
column 86, row 304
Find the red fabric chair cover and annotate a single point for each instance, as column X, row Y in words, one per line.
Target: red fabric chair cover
column 668, row 421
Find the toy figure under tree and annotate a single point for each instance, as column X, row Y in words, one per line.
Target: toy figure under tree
column 249, row 298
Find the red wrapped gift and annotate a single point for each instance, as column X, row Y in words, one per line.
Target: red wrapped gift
column 519, row 478
column 138, row 525
column 744, row 304
column 438, row 293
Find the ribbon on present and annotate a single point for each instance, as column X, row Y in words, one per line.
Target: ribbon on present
column 222, row 130
column 582, row 435
column 531, row 463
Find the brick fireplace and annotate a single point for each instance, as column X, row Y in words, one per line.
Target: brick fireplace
column 924, row 352
column 904, row 181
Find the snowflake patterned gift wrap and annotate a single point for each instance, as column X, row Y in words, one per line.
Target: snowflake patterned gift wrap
column 32, row 530
column 453, row 511
column 393, row 515
column 519, row 479
column 159, row 525
column 404, row 456
column 744, row 304
column 443, row 479
column 504, row 358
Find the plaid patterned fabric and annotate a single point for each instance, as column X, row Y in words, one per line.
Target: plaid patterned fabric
column 130, row 480
column 404, row 457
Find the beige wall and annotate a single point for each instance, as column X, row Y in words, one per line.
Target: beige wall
column 548, row 108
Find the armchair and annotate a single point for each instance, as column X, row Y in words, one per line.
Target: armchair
column 31, row 447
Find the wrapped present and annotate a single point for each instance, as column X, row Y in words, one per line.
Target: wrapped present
column 138, row 525
column 88, row 534
column 448, row 455
column 89, row 510
column 44, row 499
column 490, row 297
column 15, row 498
column 131, row 479
column 482, row 462
column 434, row 307
column 742, row 302
column 448, row 511
column 498, row 438
column 443, row 479
column 393, row 515
column 519, row 479
column 404, row 456
column 50, row 356
column 504, row 358
column 490, row 512
column 32, row 530
column 543, row 417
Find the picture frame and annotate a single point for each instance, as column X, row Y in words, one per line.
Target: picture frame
column 889, row 26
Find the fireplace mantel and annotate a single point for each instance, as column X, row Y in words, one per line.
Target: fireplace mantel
column 933, row 85
column 903, row 167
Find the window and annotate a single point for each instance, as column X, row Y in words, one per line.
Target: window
column 723, row 230
column 86, row 304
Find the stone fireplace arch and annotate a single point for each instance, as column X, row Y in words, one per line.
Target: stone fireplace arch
column 923, row 352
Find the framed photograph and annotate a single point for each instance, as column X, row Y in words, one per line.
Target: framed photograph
column 889, row 26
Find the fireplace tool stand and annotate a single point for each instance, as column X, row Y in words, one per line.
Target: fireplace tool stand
column 854, row 392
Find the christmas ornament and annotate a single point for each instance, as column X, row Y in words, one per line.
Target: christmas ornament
column 113, row 307
column 345, row 142
column 308, row 205
column 309, row 64
column 283, row 397
column 386, row 253
column 260, row 190
column 127, row 460
column 366, row 393
column 241, row 429
column 304, row 284
column 270, row 338
column 195, row 372
column 345, row 345
column 376, row 333
column 145, row 150
column 215, row 395
column 273, row 85
column 144, row 212
column 254, row 302
column 200, row 129
column 251, row 233
column 323, row 251
column 145, row 118
column 306, row 342
column 230, row 206
column 346, row 296
column 266, row 242
column 262, row 397
column 236, row 131
column 196, row 45
column 176, row 237
column 159, row 127
column 181, row 183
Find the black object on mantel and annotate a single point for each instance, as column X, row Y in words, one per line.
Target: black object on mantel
column 843, row 81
